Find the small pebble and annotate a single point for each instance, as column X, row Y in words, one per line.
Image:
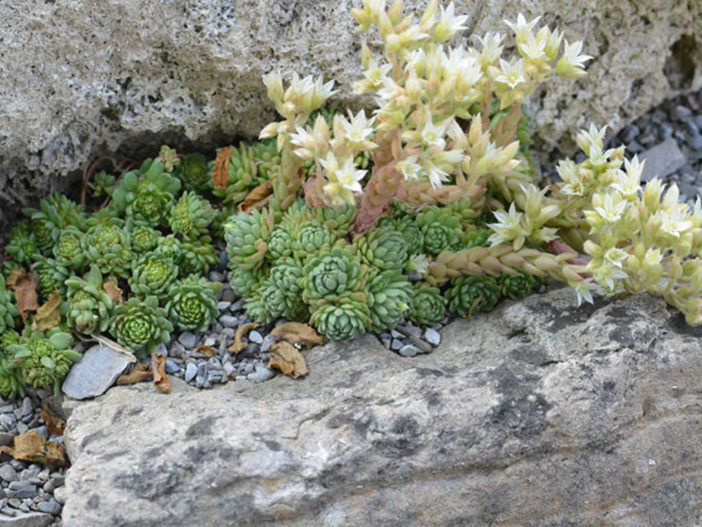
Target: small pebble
column 27, row 406
column 268, row 341
column 210, row 341
column 216, row 277
column 409, row 350
column 52, row 506
column 6, row 408
column 23, row 489
column 190, row 371
column 7, row 511
column 261, row 374
column 22, row 428
column 42, row 431
column 432, row 336
column 199, row 381
column 188, row 340
column 7, row 473
column 396, row 344
column 171, row 367
column 228, row 368
column 222, row 306
column 681, row 112
column 60, row 495
column 255, row 336
column 228, row 296
column 229, row 321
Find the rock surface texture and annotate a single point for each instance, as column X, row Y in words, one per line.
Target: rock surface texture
column 83, row 78
column 537, row 414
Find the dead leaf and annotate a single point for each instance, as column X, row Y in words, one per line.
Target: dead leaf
column 114, row 292
column 55, row 424
column 239, row 344
column 139, row 372
column 48, row 315
column 109, row 343
column 286, row 358
column 158, row 369
column 207, row 351
column 34, row 448
column 257, row 198
column 24, row 285
column 296, row 332
column 220, row 173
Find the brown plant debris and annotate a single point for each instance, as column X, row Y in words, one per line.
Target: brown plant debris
column 220, row 173
column 286, row 358
column 257, row 198
column 55, row 424
column 239, row 342
column 140, row 372
column 48, row 315
column 114, row 292
column 158, row 369
column 298, row 333
column 24, row 285
column 34, row 448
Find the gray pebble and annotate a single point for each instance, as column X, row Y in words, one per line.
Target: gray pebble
column 51, row 506
column 410, row 350
column 27, row 407
column 7, row 473
column 190, row 371
column 42, row 431
column 14, row 502
column 49, row 487
column 6, row 408
column 256, row 337
column 229, row 321
column 681, row 112
column 22, row 428
column 199, row 381
column 261, row 374
column 23, row 489
column 222, row 306
column 396, row 344
column 7, row 511
column 629, row 133
column 228, row 295
column 60, row 495
column 188, row 340
column 209, row 341
column 228, row 369
column 395, row 334
column 695, row 142
column 411, row 329
column 666, row 131
column 7, row 421
column 248, row 367
column 268, row 341
column 24, row 507
column 238, row 305
column 216, row 277
column 58, row 479
column 432, row 336
column 171, row 367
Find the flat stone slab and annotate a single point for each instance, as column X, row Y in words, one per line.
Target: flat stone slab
column 662, row 160
column 26, row 519
column 539, row 413
column 95, row 372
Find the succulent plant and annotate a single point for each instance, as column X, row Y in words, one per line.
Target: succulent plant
column 473, row 294
column 147, row 199
column 88, row 307
column 194, row 174
column 153, row 275
column 280, row 243
column 247, row 236
column 108, row 247
column 286, row 276
column 55, row 213
column 196, row 257
column 344, row 318
column 311, row 238
column 412, row 234
column 52, row 276
column 8, row 309
column 45, row 358
column 385, row 249
column 427, row 305
column 248, row 167
column 11, row 383
column 22, row 246
column 68, row 249
column 440, row 229
column 103, row 184
column 192, row 304
column 7, row 339
column 169, row 247
column 338, row 220
column 515, row 286
column 389, row 297
column 111, row 214
column 332, row 272
column 244, row 282
column 476, row 237
column 144, row 239
column 191, row 215
column 8, row 266
column 168, row 157
column 141, row 325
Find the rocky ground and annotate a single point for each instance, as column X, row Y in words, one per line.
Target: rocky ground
column 669, row 138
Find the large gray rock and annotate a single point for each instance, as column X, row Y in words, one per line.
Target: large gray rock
column 537, row 414
column 83, row 78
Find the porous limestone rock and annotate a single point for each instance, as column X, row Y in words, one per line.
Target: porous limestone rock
column 536, row 414
column 80, row 78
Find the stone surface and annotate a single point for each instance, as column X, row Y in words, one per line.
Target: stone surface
column 536, row 414
column 95, row 372
column 80, row 79
column 28, row 519
column 662, row 160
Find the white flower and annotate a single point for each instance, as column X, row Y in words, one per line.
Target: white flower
column 492, row 47
column 653, row 257
column 349, row 177
column 508, row 226
column 629, row 182
column 533, row 49
column 330, row 164
column 375, row 74
column 672, row 223
column 615, row 256
column 512, row 73
column 607, row 275
column 435, row 174
column 592, row 137
column 448, row 24
column 358, row 129
column 583, row 290
column 303, row 138
column 433, row 134
column 522, row 29
column 571, row 64
column 611, row 212
column 409, row 168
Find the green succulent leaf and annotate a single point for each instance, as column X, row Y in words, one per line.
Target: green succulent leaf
column 141, row 325
column 153, row 275
column 88, row 307
column 473, row 294
column 192, row 304
column 427, row 305
column 191, row 215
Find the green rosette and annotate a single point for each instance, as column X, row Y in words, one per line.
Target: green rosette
column 440, row 228
column 52, row 276
column 196, row 257
column 192, row 304
column 109, row 247
column 22, row 246
column 153, row 275
column 194, row 174
column 191, row 216
column 88, row 308
column 141, row 325
column 333, row 272
column 389, row 294
column 68, row 250
column 515, row 286
column 342, row 319
column 385, row 249
column 247, row 235
column 473, row 294
column 8, row 309
column 310, row 239
column 427, row 305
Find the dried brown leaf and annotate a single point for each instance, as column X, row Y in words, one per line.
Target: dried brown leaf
column 287, row 358
column 158, row 369
column 24, row 285
column 220, row 173
column 48, row 315
column 114, row 292
column 296, row 333
column 55, row 424
column 34, row 448
column 239, row 342
column 139, row 372
column 257, row 198
column 207, row 351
